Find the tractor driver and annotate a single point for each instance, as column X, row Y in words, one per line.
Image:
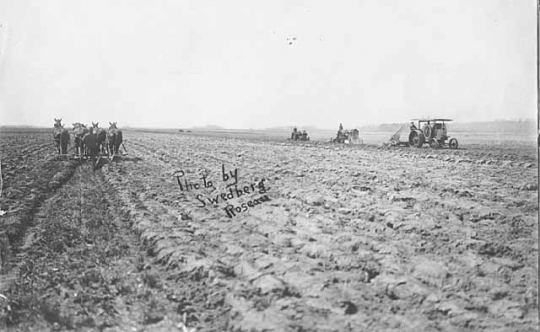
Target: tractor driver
column 413, row 127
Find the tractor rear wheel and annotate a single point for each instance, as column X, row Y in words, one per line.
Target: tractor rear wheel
column 453, row 144
column 416, row 139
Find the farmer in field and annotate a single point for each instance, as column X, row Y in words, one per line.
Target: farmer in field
column 294, row 134
column 340, row 132
column 90, row 141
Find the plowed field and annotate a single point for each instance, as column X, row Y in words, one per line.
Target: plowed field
column 196, row 233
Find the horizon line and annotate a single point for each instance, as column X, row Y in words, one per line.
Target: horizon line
column 277, row 127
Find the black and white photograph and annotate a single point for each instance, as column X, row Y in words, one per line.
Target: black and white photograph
column 258, row 166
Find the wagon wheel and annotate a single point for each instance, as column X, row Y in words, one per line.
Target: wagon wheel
column 453, row 144
column 434, row 143
column 427, row 132
column 416, row 139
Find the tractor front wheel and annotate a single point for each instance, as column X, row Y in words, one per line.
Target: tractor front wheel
column 453, row 144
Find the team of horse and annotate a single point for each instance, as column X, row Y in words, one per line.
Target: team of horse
column 107, row 142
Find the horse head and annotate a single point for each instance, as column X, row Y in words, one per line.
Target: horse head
column 58, row 123
column 112, row 125
column 95, row 125
column 79, row 129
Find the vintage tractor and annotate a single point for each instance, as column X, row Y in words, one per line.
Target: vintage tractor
column 431, row 131
column 348, row 137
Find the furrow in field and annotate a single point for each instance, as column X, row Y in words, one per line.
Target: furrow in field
column 335, row 212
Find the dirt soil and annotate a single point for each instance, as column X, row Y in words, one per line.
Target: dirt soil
column 329, row 238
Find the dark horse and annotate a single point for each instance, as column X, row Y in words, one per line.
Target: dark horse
column 101, row 137
column 79, row 130
column 114, row 137
column 60, row 136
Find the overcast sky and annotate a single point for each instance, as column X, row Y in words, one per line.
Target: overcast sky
column 257, row 64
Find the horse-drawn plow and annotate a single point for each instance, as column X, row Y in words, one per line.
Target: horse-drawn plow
column 111, row 156
column 92, row 143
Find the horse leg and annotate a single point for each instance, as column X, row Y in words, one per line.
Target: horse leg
column 93, row 153
column 63, row 144
column 85, row 151
column 112, row 144
column 60, row 149
column 57, row 143
column 76, row 146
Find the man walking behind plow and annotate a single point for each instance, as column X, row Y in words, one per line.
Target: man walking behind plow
column 90, row 141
